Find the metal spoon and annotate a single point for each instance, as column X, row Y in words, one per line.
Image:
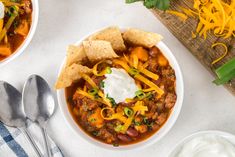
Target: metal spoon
column 39, row 104
column 11, row 111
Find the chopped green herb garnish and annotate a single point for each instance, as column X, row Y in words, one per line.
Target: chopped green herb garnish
column 149, row 96
column 93, row 91
column 101, row 84
column 114, row 104
column 95, row 133
column 13, row 10
column 133, row 71
column 148, row 122
column 15, row 24
column 108, row 70
column 92, row 120
column 115, row 144
column 140, row 94
column 118, row 128
column 137, row 123
column 128, row 112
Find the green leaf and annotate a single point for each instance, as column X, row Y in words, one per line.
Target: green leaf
column 150, row 3
column 159, row 4
column 163, row 4
column 132, row 1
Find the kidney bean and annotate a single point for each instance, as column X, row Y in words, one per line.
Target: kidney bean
column 154, row 51
column 124, row 138
column 132, row 132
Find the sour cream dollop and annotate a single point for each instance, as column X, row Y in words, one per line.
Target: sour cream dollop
column 119, row 85
column 208, row 146
column 2, row 10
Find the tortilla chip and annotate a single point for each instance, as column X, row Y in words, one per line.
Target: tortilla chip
column 71, row 74
column 113, row 35
column 139, row 37
column 63, row 80
column 97, row 50
column 74, row 70
column 75, row 54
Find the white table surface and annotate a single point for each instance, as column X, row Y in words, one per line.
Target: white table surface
column 63, row 22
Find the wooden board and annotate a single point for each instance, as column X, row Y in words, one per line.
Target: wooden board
column 198, row 46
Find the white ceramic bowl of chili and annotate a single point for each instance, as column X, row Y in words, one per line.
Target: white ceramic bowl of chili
column 20, row 50
column 152, row 139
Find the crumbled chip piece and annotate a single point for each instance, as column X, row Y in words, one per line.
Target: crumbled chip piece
column 97, row 50
column 139, row 37
column 113, row 35
column 75, row 54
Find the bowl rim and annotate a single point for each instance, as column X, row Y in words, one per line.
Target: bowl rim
column 24, row 45
column 142, row 144
column 229, row 136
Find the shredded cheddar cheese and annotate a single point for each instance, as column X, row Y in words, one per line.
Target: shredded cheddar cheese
column 92, row 83
column 95, row 69
column 139, row 107
column 140, row 77
column 224, row 54
column 119, row 116
column 81, row 92
column 180, row 15
column 216, row 16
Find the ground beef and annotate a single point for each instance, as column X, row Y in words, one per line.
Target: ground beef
column 106, row 135
column 170, row 100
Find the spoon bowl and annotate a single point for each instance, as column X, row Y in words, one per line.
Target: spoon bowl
column 12, row 111
column 39, row 104
column 38, row 100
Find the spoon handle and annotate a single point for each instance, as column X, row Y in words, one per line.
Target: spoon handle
column 30, row 138
column 46, row 141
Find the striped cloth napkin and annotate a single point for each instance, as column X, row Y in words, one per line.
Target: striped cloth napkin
column 13, row 142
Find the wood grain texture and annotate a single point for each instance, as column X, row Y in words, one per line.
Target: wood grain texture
column 198, row 46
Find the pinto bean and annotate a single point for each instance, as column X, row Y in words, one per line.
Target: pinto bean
column 154, row 51
column 132, row 132
column 124, row 138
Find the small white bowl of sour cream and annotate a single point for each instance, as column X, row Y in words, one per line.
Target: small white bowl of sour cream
column 206, row 144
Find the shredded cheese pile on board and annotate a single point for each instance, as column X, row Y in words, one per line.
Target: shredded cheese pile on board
column 215, row 16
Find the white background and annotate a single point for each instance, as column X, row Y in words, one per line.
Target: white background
column 63, row 22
